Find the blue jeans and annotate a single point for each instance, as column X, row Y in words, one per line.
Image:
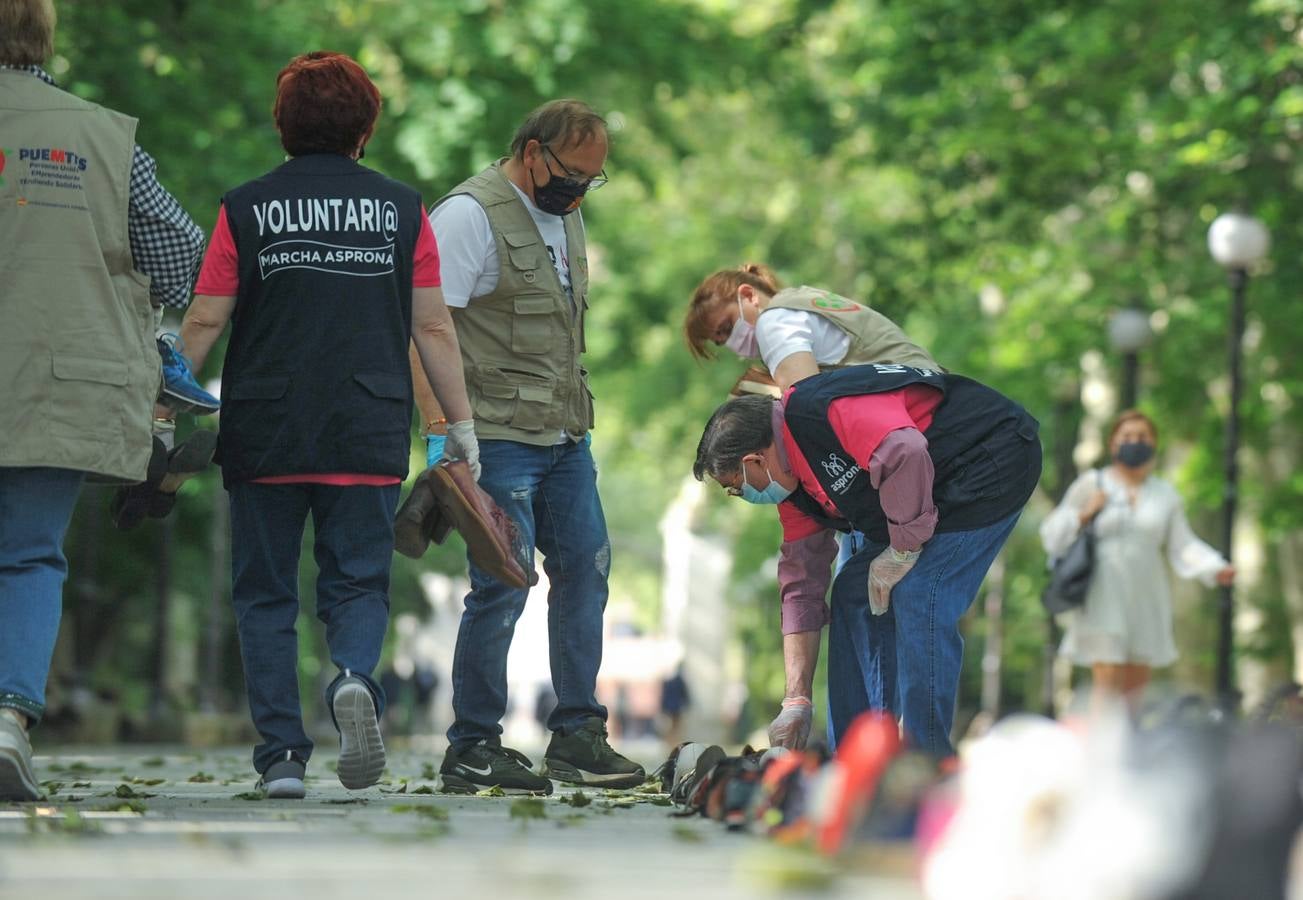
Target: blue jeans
column 551, row 494
column 354, row 546
column 908, row 660
column 36, row 506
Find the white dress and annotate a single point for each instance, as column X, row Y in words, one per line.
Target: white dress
column 1127, row 617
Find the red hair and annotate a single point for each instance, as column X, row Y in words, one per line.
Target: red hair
column 325, row 103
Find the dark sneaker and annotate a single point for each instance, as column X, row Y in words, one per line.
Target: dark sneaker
column 283, row 779
column 156, row 496
column 17, row 780
column 585, row 758
column 489, row 764
column 361, row 750
column 180, row 390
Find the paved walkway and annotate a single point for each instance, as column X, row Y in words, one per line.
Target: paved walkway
column 174, row 823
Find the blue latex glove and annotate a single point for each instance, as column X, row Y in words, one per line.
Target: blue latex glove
column 434, row 448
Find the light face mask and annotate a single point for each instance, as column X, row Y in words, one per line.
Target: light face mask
column 742, row 340
column 773, row 492
column 1134, row 454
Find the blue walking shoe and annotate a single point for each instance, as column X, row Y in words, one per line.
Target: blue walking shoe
column 180, row 390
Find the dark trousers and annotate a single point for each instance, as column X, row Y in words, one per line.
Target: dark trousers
column 353, row 548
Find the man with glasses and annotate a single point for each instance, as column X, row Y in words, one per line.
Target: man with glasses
column 515, row 274
column 934, row 470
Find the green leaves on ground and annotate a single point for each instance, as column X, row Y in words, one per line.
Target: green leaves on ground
column 578, row 799
column 424, row 810
column 527, row 808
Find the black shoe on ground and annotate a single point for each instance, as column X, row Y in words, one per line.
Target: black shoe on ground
column 485, row 765
column 584, row 757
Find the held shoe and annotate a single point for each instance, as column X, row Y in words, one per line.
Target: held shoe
column 180, row 391
column 155, row 498
column 493, row 542
column 488, row 764
column 283, row 779
column 419, row 520
column 17, row 780
column 361, row 750
column 584, row 757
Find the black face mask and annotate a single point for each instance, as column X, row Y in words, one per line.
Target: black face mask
column 1134, row 454
column 560, row 196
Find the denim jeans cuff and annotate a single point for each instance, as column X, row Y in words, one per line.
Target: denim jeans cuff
column 30, row 708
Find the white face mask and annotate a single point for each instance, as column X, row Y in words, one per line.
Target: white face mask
column 742, row 339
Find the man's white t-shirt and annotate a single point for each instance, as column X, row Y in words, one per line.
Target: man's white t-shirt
column 782, row 332
column 468, row 254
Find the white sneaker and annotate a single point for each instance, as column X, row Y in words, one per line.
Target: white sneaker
column 361, row 750
column 17, row 780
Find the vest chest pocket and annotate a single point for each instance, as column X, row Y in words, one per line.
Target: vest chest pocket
column 532, row 329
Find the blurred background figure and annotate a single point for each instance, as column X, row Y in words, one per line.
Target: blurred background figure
column 1124, row 629
column 675, row 698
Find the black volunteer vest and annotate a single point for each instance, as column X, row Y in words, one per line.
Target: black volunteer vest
column 984, row 447
column 316, row 378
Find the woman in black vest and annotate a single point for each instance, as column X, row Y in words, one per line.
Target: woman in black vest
column 934, row 469
column 327, row 271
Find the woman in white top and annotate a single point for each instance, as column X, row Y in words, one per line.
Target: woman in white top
column 725, row 311
column 796, row 332
column 1124, row 628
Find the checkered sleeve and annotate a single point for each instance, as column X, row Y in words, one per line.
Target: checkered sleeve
column 165, row 242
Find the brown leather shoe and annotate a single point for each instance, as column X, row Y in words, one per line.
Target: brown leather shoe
column 492, row 539
column 411, row 536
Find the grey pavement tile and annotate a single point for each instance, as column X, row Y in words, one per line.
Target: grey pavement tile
column 194, row 839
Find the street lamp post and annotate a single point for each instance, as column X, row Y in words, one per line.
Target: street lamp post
column 1129, row 333
column 1237, row 242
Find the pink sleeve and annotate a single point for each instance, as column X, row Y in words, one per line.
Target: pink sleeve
column 425, row 269
column 902, row 471
column 220, row 274
column 804, row 574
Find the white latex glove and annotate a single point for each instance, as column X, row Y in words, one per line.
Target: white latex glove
column 885, row 573
column 462, row 444
column 792, row 727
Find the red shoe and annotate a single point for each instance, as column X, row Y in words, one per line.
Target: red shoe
column 872, row 741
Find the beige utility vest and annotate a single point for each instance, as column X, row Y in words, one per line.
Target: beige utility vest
column 874, row 337
column 520, row 344
column 78, row 364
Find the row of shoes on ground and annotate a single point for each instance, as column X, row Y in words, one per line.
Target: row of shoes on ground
column 1185, row 809
column 798, row 795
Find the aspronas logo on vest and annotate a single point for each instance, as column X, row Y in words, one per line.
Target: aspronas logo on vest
column 339, row 227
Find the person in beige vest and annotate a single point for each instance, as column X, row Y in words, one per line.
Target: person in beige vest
column 515, row 274
column 89, row 242
column 798, row 332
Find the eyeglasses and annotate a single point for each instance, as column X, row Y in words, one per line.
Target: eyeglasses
column 736, row 490
column 589, row 184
